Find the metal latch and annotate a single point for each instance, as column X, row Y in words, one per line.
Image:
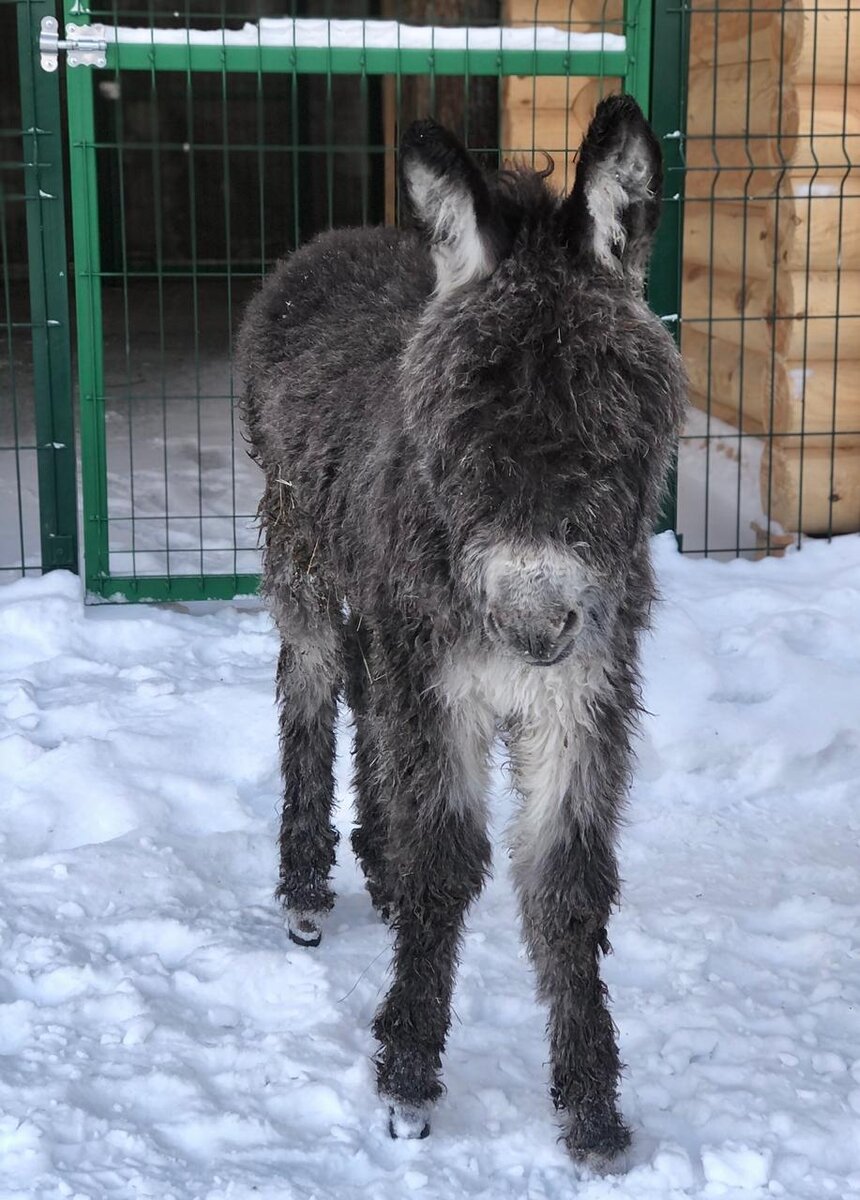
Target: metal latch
column 85, row 44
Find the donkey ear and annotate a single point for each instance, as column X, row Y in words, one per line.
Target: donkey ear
column 613, row 211
column 451, row 199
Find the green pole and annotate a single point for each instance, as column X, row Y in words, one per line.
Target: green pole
column 49, row 299
column 638, row 19
column 668, row 109
column 88, row 302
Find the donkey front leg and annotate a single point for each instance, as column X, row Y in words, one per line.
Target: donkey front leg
column 307, row 696
column 440, row 869
column 567, row 878
column 439, row 855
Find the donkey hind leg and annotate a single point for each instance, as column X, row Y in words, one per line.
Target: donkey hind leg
column 567, row 879
column 370, row 835
column 440, row 855
column 308, row 681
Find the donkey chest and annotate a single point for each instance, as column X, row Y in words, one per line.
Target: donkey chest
column 520, row 697
column 546, row 717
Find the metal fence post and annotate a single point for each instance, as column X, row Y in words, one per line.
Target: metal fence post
column 86, row 241
column 49, row 300
column 669, row 119
column 639, row 28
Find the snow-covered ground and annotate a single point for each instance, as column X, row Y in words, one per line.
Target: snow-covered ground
column 721, row 510
column 160, row 1037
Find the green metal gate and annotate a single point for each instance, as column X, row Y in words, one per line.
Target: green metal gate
column 38, row 502
column 154, row 112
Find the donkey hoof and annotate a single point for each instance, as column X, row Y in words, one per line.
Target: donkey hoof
column 303, row 929
column 408, row 1121
column 605, row 1155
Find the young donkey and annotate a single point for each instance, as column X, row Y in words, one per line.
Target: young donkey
column 465, row 433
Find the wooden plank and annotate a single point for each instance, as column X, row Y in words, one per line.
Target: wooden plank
column 818, row 222
column 819, row 338
column 553, row 130
column 812, row 330
column 740, row 237
column 798, row 315
column 825, row 293
column 812, row 484
column 830, row 48
column 579, row 15
column 727, row 35
column 742, row 310
column 743, row 99
column 739, row 382
column 820, row 396
column 542, row 92
column 828, row 130
column 558, row 130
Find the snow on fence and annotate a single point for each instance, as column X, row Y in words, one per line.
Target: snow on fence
column 381, row 35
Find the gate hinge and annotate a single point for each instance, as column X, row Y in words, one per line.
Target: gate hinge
column 85, row 44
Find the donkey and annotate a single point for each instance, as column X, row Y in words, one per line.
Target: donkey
column 465, row 430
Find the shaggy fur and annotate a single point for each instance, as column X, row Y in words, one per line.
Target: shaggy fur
column 465, row 432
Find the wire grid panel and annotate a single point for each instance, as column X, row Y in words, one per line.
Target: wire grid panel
column 20, row 544
column 771, row 276
column 20, row 550
column 211, row 145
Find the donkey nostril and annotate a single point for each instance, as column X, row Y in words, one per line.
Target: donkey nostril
column 571, row 623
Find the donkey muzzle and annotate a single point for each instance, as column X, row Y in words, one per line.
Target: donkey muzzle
column 541, row 639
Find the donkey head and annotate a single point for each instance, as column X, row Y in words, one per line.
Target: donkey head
column 610, row 217
column 541, row 392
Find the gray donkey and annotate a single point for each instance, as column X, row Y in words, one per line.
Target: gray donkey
column 465, row 431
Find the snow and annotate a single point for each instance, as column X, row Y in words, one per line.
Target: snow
column 737, row 1166
column 160, row 1037
column 721, row 506
column 287, row 32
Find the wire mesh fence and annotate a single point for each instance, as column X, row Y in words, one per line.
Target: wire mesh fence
column 20, row 549
column 771, row 285
column 218, row 137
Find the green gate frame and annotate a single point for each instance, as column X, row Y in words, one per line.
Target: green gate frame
column 634, row 66
column 42, row 129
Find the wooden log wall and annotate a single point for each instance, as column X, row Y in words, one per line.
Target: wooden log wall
column 547, row 115
column 771, row 289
